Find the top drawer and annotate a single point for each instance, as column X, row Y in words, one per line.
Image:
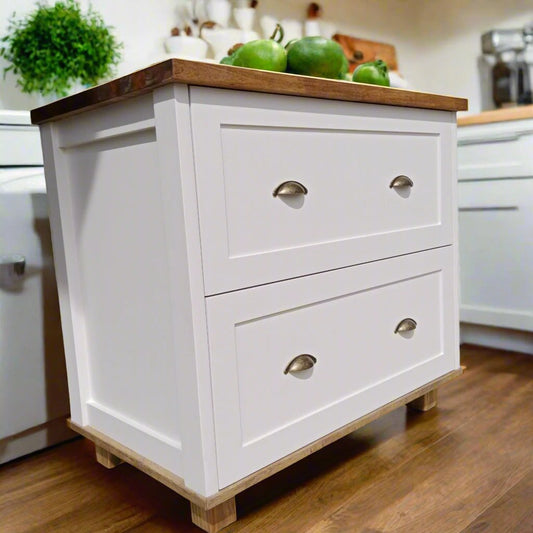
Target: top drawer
column 495, row 151
column 345, row 155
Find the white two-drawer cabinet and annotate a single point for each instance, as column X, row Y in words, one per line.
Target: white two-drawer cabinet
column 250, row 266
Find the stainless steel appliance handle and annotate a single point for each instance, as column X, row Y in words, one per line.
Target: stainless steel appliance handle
column 489, row 208
column 15, row 264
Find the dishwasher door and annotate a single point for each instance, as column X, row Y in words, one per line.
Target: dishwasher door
column 33, row 385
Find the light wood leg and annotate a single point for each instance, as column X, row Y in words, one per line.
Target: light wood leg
column 215, row 519
column 425, row 402
column 106, row 458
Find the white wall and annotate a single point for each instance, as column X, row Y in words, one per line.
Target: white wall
column 447, row 53
column 437, row 41
column 141, row 25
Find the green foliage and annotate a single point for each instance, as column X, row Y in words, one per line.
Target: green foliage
column 53, row 47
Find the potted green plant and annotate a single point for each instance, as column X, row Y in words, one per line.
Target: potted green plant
column 55, row 47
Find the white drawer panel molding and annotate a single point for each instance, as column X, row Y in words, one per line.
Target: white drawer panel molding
column 346, row 319
column 247, row 145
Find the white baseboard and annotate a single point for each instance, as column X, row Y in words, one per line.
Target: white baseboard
column 504, row 339
column 34, row 439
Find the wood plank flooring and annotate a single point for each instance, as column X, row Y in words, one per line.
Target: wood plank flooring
column 466, row 466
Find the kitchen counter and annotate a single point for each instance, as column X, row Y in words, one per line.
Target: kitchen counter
column 227, row 77
column 497, row 115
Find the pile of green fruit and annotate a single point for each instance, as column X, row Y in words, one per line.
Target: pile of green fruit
column 309, row 56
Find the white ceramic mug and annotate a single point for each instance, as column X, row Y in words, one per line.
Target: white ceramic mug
column 219, row 11
column 244, row 17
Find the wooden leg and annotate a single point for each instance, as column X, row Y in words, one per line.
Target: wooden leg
column 106, row 458
column 425, row 402
column 215, row 519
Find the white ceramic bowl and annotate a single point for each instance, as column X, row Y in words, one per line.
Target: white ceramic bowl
column 186, row 47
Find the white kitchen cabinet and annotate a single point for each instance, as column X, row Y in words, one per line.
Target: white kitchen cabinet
column 234, row 294
column 495, row 228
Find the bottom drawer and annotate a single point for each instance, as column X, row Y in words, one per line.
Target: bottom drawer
column 495, row 227
column 346, row 320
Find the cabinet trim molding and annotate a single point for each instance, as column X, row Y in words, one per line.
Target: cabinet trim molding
column 504, row 318
column 177, row 484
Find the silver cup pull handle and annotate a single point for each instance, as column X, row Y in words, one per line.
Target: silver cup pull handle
column 300, row 363
column 407, row 324
column 399, row 182
column 289, row 188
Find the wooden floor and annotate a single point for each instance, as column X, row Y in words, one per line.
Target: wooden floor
column 466, row 466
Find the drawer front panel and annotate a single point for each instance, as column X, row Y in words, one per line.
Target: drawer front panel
column 346, row 161
column 495, row 228
column 495, row 151
column 346, row 319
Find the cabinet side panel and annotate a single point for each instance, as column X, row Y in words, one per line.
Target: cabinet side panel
column 112, row 170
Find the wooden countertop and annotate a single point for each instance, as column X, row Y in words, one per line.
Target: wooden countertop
column 497, row 115
column 228, row 77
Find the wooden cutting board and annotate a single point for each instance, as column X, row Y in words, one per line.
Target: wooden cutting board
column 360, row 51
